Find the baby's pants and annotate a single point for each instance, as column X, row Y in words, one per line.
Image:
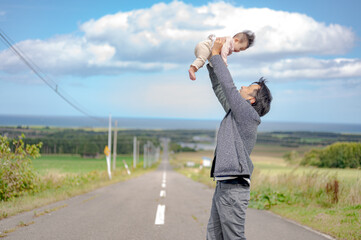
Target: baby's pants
column 203, row 53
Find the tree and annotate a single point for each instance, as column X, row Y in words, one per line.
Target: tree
column 17, row 174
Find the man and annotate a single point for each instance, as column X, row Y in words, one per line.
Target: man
column 232, row 167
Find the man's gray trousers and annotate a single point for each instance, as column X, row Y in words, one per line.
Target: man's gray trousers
column 228, row 212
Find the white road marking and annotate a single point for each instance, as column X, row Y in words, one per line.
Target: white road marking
column 159, row 218
column 162, row 193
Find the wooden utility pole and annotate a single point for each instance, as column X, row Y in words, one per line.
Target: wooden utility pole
column 138, row 149
column 134, row 152
column 115, row 144
column 145, row 156
column 109, row 146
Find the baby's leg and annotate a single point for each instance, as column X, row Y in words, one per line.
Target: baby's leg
column 192, row 72
column 202, row 52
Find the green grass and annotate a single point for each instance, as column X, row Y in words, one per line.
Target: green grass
column 278, row 151
column 344, row 175
column 64, row 176
column 339, row 222
column 297, row 193
column 76, row 164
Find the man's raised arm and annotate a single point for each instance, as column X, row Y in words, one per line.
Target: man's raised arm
column 217, row 88
column 241, row 108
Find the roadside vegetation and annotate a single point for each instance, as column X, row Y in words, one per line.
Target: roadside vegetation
column 325, row 199
column 337, row 155
column 28, row 180
column 90, row 142
column 312, row 178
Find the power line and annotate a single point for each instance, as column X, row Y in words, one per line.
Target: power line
column 40, row 74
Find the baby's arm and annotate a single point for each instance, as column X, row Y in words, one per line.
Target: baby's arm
column 226, row 49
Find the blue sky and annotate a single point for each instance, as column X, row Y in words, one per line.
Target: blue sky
column 130, row 58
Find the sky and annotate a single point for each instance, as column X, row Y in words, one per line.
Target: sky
column 131, row 58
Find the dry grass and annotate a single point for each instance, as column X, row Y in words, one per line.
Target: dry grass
column 196, row 157
column 305, row 194
column 58, row 191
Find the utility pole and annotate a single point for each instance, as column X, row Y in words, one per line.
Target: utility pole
column 109, row 146
column 115, row 144
column 134, row 152
column 145, row 156
column 138, row 150
column 149, row 154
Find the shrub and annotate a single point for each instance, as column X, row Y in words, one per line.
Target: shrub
column 16, row 171
column 312, row 158
column 291, row 157
column 337, row 155
column 311, row 187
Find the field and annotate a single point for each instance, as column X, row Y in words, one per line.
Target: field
column 64, row 176
column 328, row 200
column 76, row 164
column 304, row 194
column 269, row 160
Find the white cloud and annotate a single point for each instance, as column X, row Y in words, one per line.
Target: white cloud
column 102, row 53
column 163, row 37
column 301, row 68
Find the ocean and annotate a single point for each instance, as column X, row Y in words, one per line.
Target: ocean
column 164, row 123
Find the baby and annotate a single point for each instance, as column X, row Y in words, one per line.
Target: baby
column 240, row 42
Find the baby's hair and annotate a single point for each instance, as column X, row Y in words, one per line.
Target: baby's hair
column 249, row 35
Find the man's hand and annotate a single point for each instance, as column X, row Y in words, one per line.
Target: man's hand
column 217, row 46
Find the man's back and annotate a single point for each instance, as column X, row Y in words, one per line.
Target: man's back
column 238, row 130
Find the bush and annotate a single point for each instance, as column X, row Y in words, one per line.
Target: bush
column 291, row 157
column 310, row 187
column 312, row 158
column 16, row 171
column 337, row 155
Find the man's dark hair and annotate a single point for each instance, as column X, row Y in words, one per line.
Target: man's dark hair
column 249, row 35
column 263, row 98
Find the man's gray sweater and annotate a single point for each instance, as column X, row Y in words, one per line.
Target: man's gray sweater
column 237, row 133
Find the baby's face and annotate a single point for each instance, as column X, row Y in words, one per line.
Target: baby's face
column 240, row 45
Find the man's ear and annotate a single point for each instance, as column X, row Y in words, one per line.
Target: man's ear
column 252, row 100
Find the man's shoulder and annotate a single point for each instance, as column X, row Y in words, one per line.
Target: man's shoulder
column 251, row 117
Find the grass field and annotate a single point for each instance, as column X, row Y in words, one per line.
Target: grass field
column 76, row 164
column 297, row 193
column 64, row 176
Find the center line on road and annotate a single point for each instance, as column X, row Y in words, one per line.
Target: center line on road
column 162, row 193
column 159, row 218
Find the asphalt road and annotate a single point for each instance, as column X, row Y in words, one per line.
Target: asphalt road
column 158, row 205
